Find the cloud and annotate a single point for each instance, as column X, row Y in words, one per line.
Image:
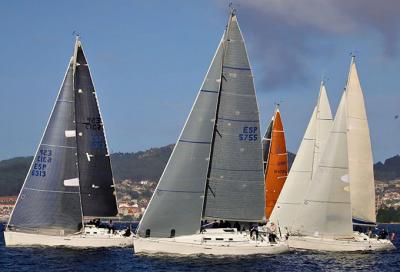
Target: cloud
column 283, row 32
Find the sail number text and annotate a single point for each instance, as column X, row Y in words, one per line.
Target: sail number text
column 40, row 165
column 248, row 134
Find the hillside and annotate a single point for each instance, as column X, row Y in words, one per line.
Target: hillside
column 145, row 165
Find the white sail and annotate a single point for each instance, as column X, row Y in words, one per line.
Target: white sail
column 360, row 153
column 326, row 211
column 305, row 163
column 323, row 125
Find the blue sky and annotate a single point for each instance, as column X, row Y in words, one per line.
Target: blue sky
column 148, row 59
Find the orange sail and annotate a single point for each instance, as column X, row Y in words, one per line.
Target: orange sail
column 276, row 162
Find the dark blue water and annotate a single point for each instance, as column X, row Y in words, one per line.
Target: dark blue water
column 59, row 259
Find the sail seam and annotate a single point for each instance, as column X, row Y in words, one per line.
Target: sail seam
column 180, row 191
column 237, row 68
column 194, row 142
column 62, row 146
column 207, row 91
column 50, row 191
column 236, row 120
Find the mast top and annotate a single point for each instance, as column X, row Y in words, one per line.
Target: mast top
column 232, row 10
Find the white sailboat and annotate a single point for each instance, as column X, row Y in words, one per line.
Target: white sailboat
column 342, row 181
column 215, row 171
column 70, row 178
column 304, row 165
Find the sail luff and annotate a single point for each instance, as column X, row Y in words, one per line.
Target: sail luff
column 360, row 151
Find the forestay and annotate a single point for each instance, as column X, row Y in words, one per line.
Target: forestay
column 46, row 204
column 95, row 175
column 360, row 153
column 177, row 202
column 326, row 210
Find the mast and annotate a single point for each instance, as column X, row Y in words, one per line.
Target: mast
column 215, row 130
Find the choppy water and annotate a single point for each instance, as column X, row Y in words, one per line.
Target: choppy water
column 59, row 259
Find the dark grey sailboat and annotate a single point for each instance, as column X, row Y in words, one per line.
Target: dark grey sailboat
column 70, row 177
column 215, row 171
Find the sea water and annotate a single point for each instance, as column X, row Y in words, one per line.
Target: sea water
column 117, row 259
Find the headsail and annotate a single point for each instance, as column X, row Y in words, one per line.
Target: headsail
column 95, row 175
column 277, row 165
column 49, row 201
column 304, row 165
column 266, row 143
column 326, row 210
column 177, row 202
column 235, row 188
column 360, row 154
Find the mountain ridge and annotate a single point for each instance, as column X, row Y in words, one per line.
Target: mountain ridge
column 147, row 165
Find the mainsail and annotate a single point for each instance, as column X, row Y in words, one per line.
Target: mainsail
column 70, row 175
column 215, row 170
column 304, row 165
column 236, row 178
column 326, row 210
column 277, row 164
column 47, row 202
column 361, row 173
column 95, row 175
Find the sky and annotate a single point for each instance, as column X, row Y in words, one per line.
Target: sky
column 148, row 60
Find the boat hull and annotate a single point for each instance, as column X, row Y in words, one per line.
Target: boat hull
column 19, row 239
column 324, row 244
column 210, row 242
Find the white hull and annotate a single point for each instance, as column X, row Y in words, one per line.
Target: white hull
column 196, row 244
column 21, row 239
column 360, row 242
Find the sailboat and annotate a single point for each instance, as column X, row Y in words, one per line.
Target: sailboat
column 343, row 180
column 275, row 161
column 70, row 178
column 215, row 171
column 304, row 165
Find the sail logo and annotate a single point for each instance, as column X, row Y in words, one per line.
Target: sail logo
column 39, row 167
column 248, row 134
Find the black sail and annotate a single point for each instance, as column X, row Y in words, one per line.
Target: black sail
column 49, row 201
column 266, row 143
column 95, row 175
